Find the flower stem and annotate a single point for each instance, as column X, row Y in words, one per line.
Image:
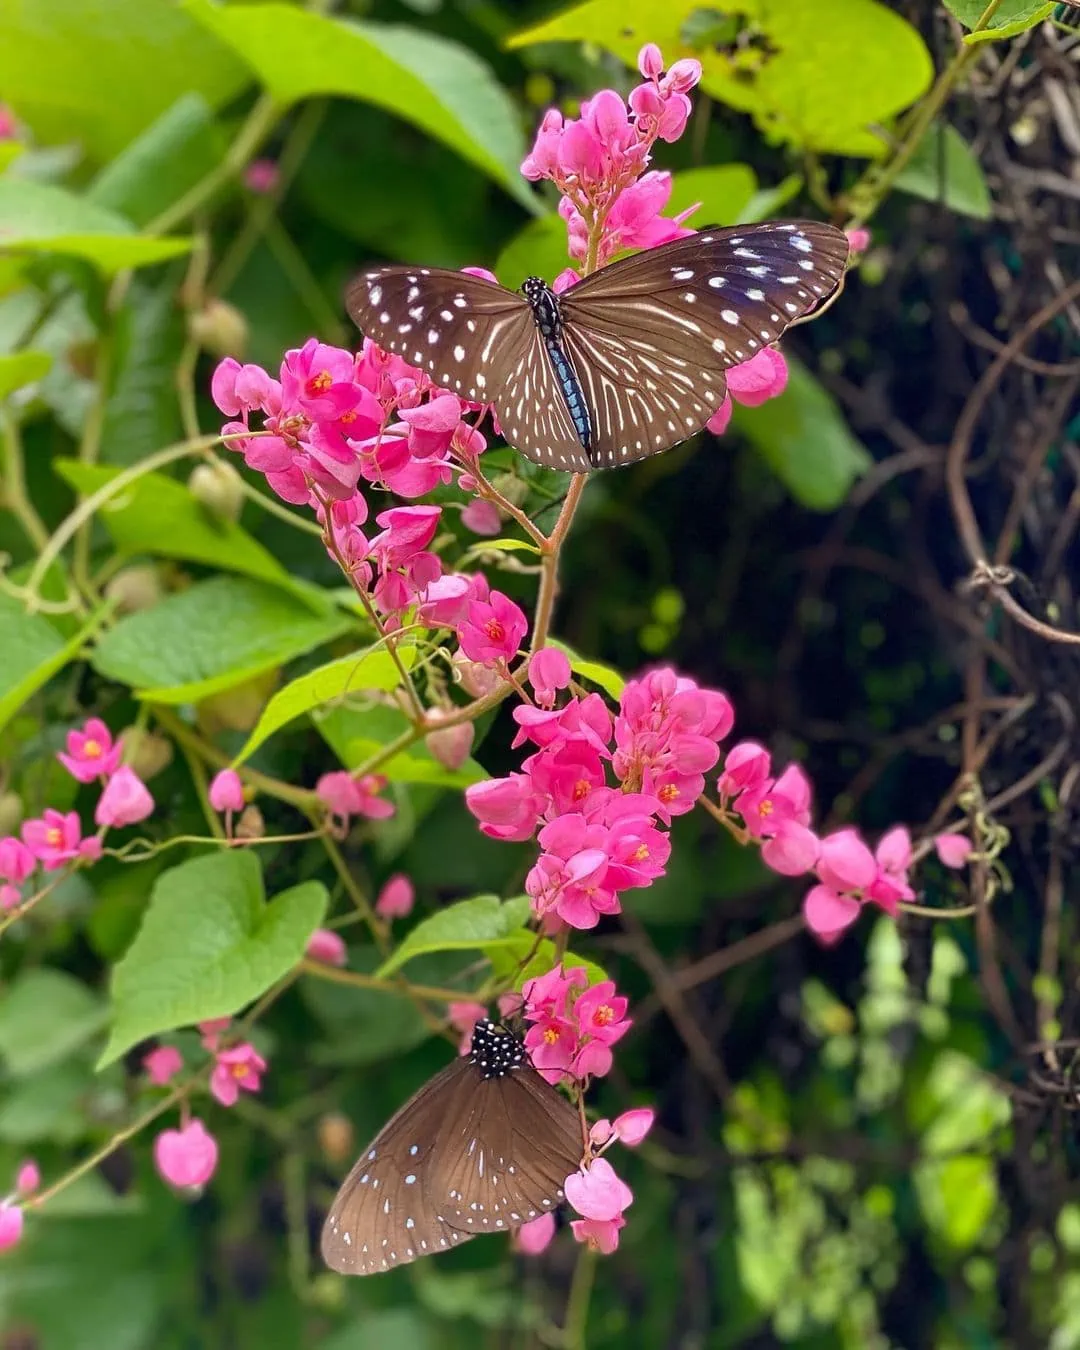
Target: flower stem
column 577, row 1305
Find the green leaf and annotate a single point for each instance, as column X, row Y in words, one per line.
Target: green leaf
column 356, row 735
column 819, row 76
column 159, row 516
column 537, row 250
column 439, row 86
column 724, row 192
column 42, row 218
column 32, row 652
column 1011, row 17
column 804, row 438
column 21, row 369
column 142, row 412
column 958, row 1197
column 943, row 168
column 45, row 1015
column 170, row 157
column 370, row 669
column 507, row 958
column 363, row 1026
column 48, row 1104
column 213, row 636
column 100, row 75
column 482, row 921
column 209, row 945
column 609, row 680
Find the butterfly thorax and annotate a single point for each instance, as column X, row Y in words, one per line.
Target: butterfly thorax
column 547, row 314
column 494, row 1051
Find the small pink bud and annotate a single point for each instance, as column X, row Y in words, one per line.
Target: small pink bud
column 125, row 800
column 396, row 898
column 10, row 896
column 261, row 176
column 227, row 791
column 953, row 849
column 211, row 1030
column 482, row 517
column 163, row 1064
column 858, row 240
column 28, row 1177
column 11, row 1225
column 650, row 61
column 186, row 1158
column 632, row 1126
column 327, row 947
column 600, row 1133
column 549, row 671
column 451, row 745
column 532, row 1237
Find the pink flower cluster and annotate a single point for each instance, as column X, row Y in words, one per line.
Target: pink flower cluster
column 599, row 839
column 55, row 838
column 599, row 160
column 187, row 1158
column 775, row 810
column 346, row 796
column 573, row 1024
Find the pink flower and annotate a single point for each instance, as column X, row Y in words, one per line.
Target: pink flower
column 91, row 752
column 186, row 1158
column 859, row 240
column 845, row 863
column 163, row 1064
column 596, row 1192
column 396, row 898
column 507, row 808
column 549, row 671
column 633, row 1125
column 747, row 765
column 792, row 850
column 227, row 791
column 493, row 630
column 432, row 425
column 547, row 995
column 482, row 517
column 463, row 1017
column 10, row 897
column 28, row 1177
column 952, row 849
column 211, row 1030
column 785, row 798
column 445, row 601
column 261, row 176
column 54, row 839
column 348, row 796
column 125, row 800
column 327, row 947
column 828, row 914
column 602, row 1235
column 601, row 1132
column 11, row 1225
column 239, row 1068
column 650, row 61
column 9, row 125
column 533, row 1237
column 893, row 857
column 16, row 860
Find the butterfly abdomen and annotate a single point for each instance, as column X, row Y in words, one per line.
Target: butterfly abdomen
column 545, row 308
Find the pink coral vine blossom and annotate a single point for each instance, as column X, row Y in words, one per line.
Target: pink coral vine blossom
column 91, row 753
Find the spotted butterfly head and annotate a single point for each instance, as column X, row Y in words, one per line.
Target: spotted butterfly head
column 534, row 289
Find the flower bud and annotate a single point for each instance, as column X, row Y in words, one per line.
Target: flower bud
column 451, row 745
column 219, row 488
column 336, row 1137
column 135, row 588
column 146, row 751
column 220, row 329
column 11, row 812
column 251, row 824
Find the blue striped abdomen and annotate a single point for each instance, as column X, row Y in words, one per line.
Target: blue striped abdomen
column 571, row 390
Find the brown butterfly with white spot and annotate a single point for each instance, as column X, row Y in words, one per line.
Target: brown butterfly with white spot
column 628, row 362
column 483, row 1147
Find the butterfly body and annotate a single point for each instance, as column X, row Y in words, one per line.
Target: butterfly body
column 545, row 307
column 484, row 1147
column 626, row 363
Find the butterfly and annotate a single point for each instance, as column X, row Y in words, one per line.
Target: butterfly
column 483, row 1147
column 628, row 362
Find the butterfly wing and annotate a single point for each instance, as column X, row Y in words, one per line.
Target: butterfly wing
column 461, row 331
column 533, row 416
column 504, row 1159
column 652, row 335
column 381, row 1217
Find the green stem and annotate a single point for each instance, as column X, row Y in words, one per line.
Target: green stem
column 577, row 1305
column 15, row 496
column 90, row 448
column 391, row 986
column 549, row 567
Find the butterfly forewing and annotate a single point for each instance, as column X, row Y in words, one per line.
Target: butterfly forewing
column 458, row 329
column 651, row 335
column 483, row 1147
